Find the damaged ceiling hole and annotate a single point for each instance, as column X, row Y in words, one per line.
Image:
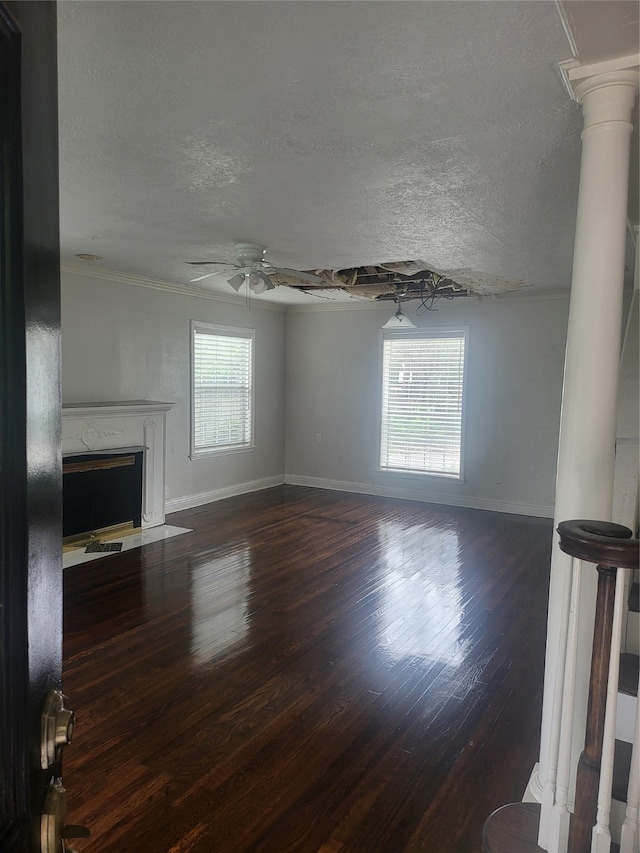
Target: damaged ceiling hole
column 407, row 279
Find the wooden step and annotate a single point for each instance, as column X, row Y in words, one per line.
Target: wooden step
column 514, row 829
column 628, row 678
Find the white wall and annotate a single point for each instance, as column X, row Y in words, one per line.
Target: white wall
column 515, row 368
column 124, row 342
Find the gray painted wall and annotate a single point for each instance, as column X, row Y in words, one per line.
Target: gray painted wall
column 127, row 342
column 515, row 367
column 123, row 342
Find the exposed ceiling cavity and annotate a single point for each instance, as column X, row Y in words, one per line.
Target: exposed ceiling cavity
column 407, row 279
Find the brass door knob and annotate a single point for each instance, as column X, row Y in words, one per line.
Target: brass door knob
column 53, row 832
column 52, row 821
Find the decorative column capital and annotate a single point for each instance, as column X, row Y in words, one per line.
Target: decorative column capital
column 605, row 90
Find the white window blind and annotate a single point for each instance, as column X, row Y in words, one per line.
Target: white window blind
column 422, row 397
column 222, row 388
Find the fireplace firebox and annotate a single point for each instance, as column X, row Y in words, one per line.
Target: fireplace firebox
column 101, row 489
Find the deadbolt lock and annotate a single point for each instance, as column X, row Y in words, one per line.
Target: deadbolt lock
column 56, row 728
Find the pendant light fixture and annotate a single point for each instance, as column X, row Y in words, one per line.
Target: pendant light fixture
column 399, row 320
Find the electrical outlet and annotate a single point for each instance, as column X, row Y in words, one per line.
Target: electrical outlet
column 319, row 437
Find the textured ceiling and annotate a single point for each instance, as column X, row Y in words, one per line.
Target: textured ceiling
column 337, row 134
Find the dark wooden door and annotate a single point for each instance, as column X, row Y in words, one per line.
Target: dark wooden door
column 30, row 478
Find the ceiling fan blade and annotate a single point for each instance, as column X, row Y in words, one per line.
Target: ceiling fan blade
column 207, row 275
column 208, row 263
column 303, row 276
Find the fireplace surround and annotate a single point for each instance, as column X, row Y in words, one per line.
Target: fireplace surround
column 92, row 430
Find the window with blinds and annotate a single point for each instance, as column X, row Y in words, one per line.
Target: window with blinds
column 422, row 402
column 221, row 388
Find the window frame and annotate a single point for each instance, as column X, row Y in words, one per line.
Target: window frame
column 218, row 330
column 417, row 333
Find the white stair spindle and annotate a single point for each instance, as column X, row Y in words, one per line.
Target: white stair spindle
column 549, row 788
column 560, row 816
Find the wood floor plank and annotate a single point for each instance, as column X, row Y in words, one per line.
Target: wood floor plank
column 307, row 671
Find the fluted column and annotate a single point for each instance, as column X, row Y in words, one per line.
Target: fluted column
column 584, row 481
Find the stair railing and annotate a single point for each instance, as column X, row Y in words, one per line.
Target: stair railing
column 613, row 551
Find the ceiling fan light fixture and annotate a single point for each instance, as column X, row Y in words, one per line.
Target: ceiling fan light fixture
column 399, row 320
column 236, row 281
column 259, row 282
column 252, row 268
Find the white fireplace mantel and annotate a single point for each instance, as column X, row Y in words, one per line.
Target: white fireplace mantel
column 92, row 427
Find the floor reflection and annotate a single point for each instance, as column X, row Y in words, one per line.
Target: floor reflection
column 422, row 566
column 219, row 593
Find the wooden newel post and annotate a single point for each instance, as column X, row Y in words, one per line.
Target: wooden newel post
column 588, row 775
column 609, row 546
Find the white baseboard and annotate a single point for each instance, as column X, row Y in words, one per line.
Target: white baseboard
column 189, row 501
column 407, row 494
column 533, row 791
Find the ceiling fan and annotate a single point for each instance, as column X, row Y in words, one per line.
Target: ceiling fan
column 252, row 268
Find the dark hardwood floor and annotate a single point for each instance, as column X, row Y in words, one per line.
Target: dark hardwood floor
column 307, row 671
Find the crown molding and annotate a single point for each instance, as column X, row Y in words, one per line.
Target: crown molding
column 341, row 306
column 564, row 20
column 117, row 277
column 527, row 296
